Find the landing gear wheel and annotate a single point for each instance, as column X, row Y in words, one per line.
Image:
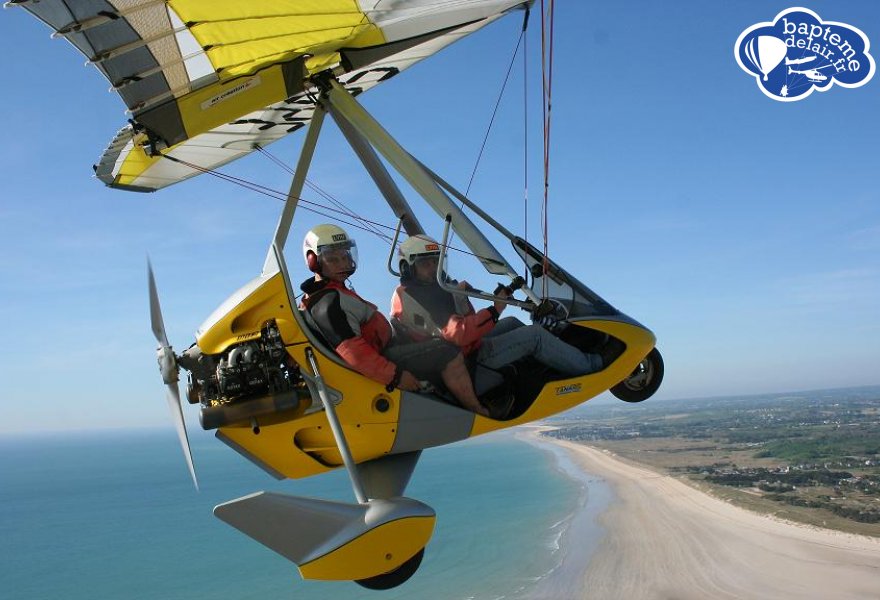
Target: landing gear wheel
column 643, row 381
column 394, row 578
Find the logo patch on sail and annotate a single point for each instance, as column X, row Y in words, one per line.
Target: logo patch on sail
column 233, row 91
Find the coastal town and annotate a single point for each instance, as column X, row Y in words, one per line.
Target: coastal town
column 811, row 457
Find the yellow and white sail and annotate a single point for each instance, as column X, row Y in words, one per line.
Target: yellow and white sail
column 207, row 81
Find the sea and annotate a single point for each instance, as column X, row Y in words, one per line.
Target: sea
column 114, row 515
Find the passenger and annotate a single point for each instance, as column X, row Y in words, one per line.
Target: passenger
column 422, row 307
column 362, row 336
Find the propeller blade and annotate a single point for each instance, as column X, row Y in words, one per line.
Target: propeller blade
column 173, row 396
column 169, row 370
column 155, row 310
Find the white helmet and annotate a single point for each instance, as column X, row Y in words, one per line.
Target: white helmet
column 322, row 238
column 416, row 247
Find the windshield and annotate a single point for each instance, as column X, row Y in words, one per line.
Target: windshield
column 577, row 298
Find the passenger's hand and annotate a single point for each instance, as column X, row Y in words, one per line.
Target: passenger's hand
column 409, row 382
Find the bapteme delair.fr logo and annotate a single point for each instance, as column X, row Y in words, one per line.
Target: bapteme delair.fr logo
column 799, row 52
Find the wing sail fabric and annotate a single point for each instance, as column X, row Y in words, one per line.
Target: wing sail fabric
column 207, row 82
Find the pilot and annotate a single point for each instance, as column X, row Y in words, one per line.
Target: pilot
column 426, row 310
column 362, row 336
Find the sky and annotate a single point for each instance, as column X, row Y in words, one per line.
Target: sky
column 743, row 231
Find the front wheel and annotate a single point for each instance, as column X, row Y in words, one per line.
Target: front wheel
column 394, row 578
column 643, row 381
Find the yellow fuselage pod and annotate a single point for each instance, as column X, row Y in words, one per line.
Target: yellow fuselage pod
column 299, row 442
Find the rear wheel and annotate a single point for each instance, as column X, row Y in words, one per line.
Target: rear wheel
column 394, row 578
column 643, row 381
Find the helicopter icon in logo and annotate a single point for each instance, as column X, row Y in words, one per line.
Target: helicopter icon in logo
column 811, row 74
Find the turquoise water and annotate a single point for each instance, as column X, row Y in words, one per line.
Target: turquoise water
column 114, row 515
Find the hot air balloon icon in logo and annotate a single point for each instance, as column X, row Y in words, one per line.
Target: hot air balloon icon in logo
column 765, row 52
column 799, row 53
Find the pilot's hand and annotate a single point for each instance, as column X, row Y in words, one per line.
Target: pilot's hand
column 408, row 382
column 502, row 292
column 464, row 285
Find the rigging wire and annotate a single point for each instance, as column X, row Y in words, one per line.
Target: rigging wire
column 282, row 196
column 547, row 19
column 525, row 62
column 498, row 103
column 326, row 195
column 520, row 39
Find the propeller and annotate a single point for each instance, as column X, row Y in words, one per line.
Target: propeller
column 169, row 370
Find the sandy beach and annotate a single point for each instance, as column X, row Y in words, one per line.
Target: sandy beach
column 665, row 539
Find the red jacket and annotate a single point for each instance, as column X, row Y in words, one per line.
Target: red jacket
column 353, row 327
column 427, row 310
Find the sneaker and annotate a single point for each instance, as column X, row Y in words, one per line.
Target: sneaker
column 612, row 349
column 500, row 406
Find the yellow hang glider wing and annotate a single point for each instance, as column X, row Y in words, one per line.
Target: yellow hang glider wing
column 207, row 81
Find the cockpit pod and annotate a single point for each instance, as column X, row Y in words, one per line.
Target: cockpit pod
column 253, row 382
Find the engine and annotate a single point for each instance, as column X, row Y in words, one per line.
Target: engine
column 258, row 367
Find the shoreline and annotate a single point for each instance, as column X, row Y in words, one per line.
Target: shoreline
column 594, row 498
column 665, row 539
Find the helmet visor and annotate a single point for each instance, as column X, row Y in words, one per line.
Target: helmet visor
column 339, row 256
column 426, row 258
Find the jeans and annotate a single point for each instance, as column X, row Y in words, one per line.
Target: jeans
column 511, row 340
column 426, row 360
